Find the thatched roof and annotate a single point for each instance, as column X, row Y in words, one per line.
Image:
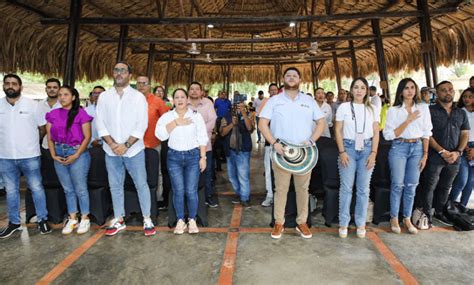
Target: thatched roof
column 29, row 45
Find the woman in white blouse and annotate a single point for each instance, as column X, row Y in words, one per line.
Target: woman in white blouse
column 187, row 138
column 408, row 126
column 357, row 137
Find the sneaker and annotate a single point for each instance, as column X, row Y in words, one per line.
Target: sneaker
column 267, row 202
column 192, row 227
column 304, row 231
column 361, row 232
column 278, row 229
column 148, row 227
column 69, row 226
column 9, row 230
column 246, row 204
column 211, row 203
column 440, row 217
column 236, row 200
column 84, row 226
column 44, row 227
column 115, row 226
column 180, row 227
column 342, row 232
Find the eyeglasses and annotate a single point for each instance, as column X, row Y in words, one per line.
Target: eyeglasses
column 95, row 93
column 120, row 70
column 142, row 83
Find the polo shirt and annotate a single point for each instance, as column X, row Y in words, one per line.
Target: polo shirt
column 223, row 107
column 447, row 127
column 205, row 107
column 292, row 120
column 19, row 134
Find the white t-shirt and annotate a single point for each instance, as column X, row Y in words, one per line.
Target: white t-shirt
column 19, row 135
column 45, row 108
column 470, row 117
column 327, row 110
column 376, row 101
column 257, row 103
column 344, row 114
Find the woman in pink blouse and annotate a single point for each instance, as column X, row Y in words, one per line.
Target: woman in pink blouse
column 69, row 133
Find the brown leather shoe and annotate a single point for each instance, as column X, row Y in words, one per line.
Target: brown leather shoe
column 278, row 229
column 304, row 231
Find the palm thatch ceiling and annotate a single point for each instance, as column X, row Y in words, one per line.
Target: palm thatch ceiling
column 250, row 35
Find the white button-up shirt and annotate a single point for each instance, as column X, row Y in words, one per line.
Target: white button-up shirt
column 419, row 128
column 19, row 135
column 327, row 110
column 121, row 118
column 470, row 117
column 45, row 108
column 91, row 110
column 183, row 137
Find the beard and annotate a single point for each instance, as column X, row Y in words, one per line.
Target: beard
column 12, row 93
column 52, row 95
column 446, row 99
column 291, row 87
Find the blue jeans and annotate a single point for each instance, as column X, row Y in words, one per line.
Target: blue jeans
column 135, row 166
column 238, row 169
column 183, row 167
column 10, row 170
column 259, row 136
column 356, row 168
column 464, row 181
column 404, row 160
column 2, row 181
column 73, row 178
column 209, row 172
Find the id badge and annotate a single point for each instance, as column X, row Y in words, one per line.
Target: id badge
column 359, row 142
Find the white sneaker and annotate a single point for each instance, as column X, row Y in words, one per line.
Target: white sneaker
column 180, row 227
column 84, row 226
column 268, row 202
column 342, row 232
column 69, row 226
column 192, row 227
column 361, row 232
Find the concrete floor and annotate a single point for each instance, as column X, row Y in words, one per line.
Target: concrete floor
column 237, row 249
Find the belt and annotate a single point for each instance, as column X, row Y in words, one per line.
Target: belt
column 408, row 140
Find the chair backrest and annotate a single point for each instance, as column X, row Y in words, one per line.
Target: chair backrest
column 48, row 172
column 328, row 157
column 381, row 175
column 98, row 176
column 152, row 168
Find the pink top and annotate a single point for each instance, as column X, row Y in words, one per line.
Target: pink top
column 58, row 120
column 208, row 113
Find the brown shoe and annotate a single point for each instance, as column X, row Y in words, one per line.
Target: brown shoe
column 304, row 231
column 278, row 229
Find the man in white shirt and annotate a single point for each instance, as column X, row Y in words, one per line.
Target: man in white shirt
column 91, row 110
column 51, row 102
column 22, row 123
column 320, row 97
column 257, row 104
column 122, row 119
column 375, row 98
column 293, row 115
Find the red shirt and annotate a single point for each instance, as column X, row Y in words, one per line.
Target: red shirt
column 156, row 109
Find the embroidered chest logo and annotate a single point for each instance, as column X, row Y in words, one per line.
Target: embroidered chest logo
column 304, row 106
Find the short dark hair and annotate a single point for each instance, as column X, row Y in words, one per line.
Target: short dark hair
column 99, row 86
column 260, row 92
column 318, row 88
column 329, row 92
column 193, row 83
column 373, row 88
column 294, row 69
column 11, row 75
column 272, row 84
column 442, row 83
column 181, row 89
column 129, row 67
column 55, row 80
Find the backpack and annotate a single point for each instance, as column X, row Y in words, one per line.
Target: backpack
column 459, row 216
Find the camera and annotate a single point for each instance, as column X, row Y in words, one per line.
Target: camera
column 238, row 98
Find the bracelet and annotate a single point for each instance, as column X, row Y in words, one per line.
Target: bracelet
column 275, row 142
column 441, row 151
column 373, row 152
column 203, row 157
column 341, row 152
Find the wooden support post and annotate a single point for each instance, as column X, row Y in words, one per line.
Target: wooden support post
column 168, row 70
column 380, row 58
column 224, row 77
column 75, row 10
column 191, row 73
column 122, row 46
column 150, row 61
column 355, row 71
column 336, row 70
column 228, row 80
column 426, row 34
column 278, row 74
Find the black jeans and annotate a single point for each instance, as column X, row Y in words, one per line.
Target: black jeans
column 438, row 178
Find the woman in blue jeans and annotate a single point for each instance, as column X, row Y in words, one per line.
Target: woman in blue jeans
column 357, row 137
column 464, row 181
column 69, row 134
column 187, row 138
column 408, row 126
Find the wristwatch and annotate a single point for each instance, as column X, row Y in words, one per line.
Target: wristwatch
column 127, row 144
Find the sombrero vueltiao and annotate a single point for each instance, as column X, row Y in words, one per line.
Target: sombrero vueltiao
column 297, row 159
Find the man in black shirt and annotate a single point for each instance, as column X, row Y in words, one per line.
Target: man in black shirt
column 450, row 136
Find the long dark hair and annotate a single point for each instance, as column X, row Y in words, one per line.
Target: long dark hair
column 461, row 101
column 367, row 95
column 76, row 105
column 399, row 95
